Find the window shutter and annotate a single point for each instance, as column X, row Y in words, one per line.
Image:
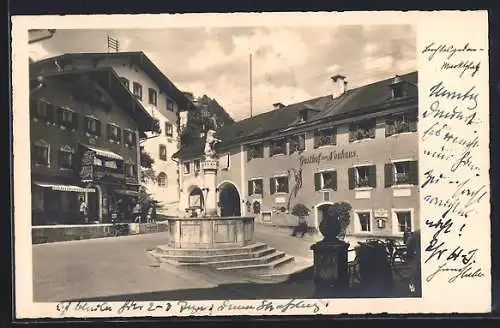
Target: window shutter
column 272, row 186
column 389, row 128
column 75, row 120
column 119, row 132
column 388, row 174
column 51, row 113
column 352, row 135
column 59, row 116
column 334, row 178
column 286, row 185
column 372, row 177
column 413, row 123
column 108, row 131
column 98, row 127
column 250, row 188
column 317, row 181
column 414, row 172
column 351, row 177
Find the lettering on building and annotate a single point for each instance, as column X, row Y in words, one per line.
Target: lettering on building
column 325, row 157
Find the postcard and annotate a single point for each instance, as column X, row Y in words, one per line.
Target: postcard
column 251, row 164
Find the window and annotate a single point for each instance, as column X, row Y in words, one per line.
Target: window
column 129, row 138
column 170, row 105
column 125, row 82
column 325, row 180
column 255, row 187
column 92, row 126
column 297, row 143
column 364, row 221
column 152, row 97
column 279, row 184
column 42, row 110
column 303, row 115
column 114, row 133
column 67, row 119
column 162, row 179
column 277, row 147
column 225, row 161
column 186, row 167
column 41, row 153
column 197, row 165
column 401, row 124
column 130, row 170
column 65, row 157
column 403, row 223
column 401, row 173
column 362, row 176
column 137, row 90
column 362, row 130
column 163, row 152
column 325, row 137
column 255, row 151
column 169, row 129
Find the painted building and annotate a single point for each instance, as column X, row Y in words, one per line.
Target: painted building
column 84, row 132
column 158, row 95
column 358, row 146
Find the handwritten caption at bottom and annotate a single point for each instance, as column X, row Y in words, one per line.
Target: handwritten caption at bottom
column 190, row 308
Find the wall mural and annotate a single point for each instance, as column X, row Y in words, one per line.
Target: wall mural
column 297, row 175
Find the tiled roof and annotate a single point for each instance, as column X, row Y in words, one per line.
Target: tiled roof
column 139, row 58
column 353, row 102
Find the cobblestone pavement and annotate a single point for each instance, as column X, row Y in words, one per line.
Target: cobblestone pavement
column 119, row 268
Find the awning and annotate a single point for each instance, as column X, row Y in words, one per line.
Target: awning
column 60, row 187
column 105, row 153
column 127, row 192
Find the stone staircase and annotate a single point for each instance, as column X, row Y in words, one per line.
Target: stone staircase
column 257, row 260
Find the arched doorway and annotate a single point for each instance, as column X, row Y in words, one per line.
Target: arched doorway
column 321, row 210
column 229, row 200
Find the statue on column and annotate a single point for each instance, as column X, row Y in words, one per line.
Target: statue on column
column 210, row 143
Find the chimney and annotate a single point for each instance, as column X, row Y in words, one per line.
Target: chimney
column 339, row 85
column 278, row 105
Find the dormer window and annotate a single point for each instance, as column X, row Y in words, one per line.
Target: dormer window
column 398, row 87
column 303, row 116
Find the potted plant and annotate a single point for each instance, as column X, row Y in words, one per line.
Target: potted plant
column 335, row 221
column 301, row 212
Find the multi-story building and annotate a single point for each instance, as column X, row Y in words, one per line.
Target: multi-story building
column 358, row 146
column 158, row 95
column 84, row 132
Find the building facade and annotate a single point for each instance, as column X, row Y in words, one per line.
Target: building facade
column 162, row 100
column 84, row 132
column 357, row 146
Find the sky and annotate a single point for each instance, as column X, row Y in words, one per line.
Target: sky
column 289, row 64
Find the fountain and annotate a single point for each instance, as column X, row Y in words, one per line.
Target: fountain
column 225, row 243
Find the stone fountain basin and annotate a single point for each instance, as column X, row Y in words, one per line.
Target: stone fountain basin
column 210, row 232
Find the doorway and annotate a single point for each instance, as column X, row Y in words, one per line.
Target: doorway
column 229, row 200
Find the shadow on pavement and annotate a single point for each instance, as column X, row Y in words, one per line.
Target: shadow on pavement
column 298, row 286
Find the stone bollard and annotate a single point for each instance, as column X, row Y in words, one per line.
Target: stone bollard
column 331, row 277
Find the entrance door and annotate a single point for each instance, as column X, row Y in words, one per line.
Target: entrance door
column 93, row 206
column 229, row 199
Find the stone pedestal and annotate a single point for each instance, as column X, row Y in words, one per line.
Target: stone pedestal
column 210, row 167
column 331, row 276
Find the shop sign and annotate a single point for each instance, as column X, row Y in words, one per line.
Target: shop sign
column 326, row 157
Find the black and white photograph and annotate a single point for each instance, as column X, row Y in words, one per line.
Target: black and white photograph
column 249, row 163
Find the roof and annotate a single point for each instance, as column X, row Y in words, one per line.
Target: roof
column 140, row 59
column 355, row 102
column 107, row 79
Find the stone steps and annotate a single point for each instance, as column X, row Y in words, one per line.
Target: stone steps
column 166, row 250
column 263, row 259
column 261, row 268
column 214, row 259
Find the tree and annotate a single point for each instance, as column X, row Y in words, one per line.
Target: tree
column 300, row 210
column 335, row 221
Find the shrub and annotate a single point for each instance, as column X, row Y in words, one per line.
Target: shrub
column 300, row 210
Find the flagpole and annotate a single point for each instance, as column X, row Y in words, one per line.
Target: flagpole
column 251, row 105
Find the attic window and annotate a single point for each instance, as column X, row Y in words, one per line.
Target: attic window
column 398, row 88
column 303, row 115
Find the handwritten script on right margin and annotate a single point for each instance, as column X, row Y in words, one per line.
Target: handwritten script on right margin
column 451, row 140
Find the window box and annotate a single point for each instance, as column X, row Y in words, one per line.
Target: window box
column 277, row 147
column 325, row 137
column 362, row 130
column 401, row 124
column 297, row 143
column 255, row 151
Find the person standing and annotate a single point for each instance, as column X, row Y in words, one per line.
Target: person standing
column 301, row 227
column 136, row 211
column 83, row 211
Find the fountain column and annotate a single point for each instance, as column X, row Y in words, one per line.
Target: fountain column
column 210, row 167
